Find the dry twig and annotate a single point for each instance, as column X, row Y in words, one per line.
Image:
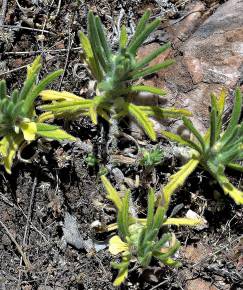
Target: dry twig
column 23, row 255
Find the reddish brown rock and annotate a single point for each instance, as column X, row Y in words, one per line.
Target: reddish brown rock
column 181, row 30
column 195, row 254
column 211, row 59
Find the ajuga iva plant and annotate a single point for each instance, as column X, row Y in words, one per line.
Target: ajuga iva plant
column 114, row 73
column 18, row 120
column 216, row 150
column 138, row 239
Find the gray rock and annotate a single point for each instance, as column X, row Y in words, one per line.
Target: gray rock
column 72, row 236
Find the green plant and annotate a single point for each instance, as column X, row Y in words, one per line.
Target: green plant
column 139, row 238
column 114, row 73
column 216, row 150
column 151, row 157
column 91, row 160
column 18, row 120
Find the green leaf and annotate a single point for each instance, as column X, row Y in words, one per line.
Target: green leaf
column 177, row 180
column 158, row 218
column 231, row 154
column 181, row 141
column 228, row 188
column 28, row 104
column 93, row 114
column 123, row 37
column 103, row 39
column 175, row 138
column 162, row 113
column 123, row 216
column 94, row 65
column 142, row 36
column 140, row 26
column 226, row 143
column 28, row 85
column 67, row 105
column 235, row 115
column 171, row 262
column 95, row 42
column 112, row 194
column 147, row 59
column 213, row 127
column 3, row 90
column 134, row 75
column 145, row 260
column 53, row 132
column 235, row 166
column 142, row 88
column 150, row 213
column 35, row 67
column 142, row 119
column 188, row 124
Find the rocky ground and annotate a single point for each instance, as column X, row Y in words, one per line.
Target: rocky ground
column 47, row 206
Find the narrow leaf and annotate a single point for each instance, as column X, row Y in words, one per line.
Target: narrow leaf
column 150, row 212
column 184, row 222
column 141, row 26
column 112, row 194
column 51, row 95
column 141, row 88
column 147, row 59
column 3, row 89
column 123, row 37
column 103, row 39
column 235, row 115
column 134, row 75
column 93, row 64
column 143, row 120
column 177, row 180
column 142, row 36
column 190, row 127
column 228, row 188
column 53, row 132
column 40, row 87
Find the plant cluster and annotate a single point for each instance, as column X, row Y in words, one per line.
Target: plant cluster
column 139, row 239
column 18, row 121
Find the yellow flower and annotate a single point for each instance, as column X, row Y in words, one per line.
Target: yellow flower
column 116, row 246
column 29, row 130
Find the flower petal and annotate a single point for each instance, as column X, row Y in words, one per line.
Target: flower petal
column 116, row 245
column 29, row 130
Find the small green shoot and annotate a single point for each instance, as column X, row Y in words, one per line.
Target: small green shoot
column 151, row 158
column 91, row 160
